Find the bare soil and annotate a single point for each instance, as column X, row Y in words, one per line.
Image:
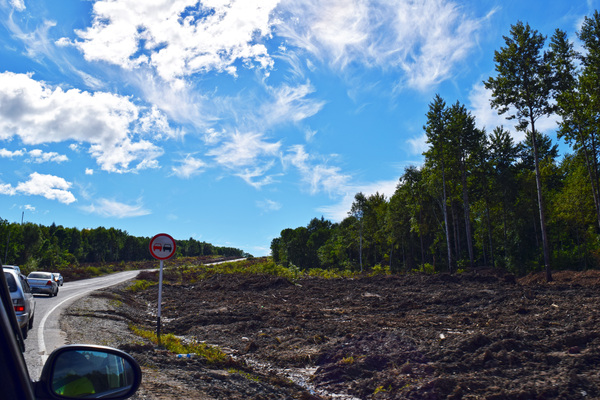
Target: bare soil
column 477, row 335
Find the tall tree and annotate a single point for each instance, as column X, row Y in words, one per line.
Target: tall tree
column 467, row 142
column 358, row 211
column 523, row 89
column 438, row 156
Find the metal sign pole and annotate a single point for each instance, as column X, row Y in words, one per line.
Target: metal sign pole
column 162, row 247
column 160, row 279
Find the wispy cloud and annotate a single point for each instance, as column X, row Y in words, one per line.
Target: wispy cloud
column 318, row 176
column 115, row 209
column 488, row 117
column 268, row 205
column 290, row 104
column 188, row 167
column 337, row 212
column 426, row 40
column 242, row 149
column 418, row 144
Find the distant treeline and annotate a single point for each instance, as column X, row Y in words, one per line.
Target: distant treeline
column 480, row 199
column 56, row 247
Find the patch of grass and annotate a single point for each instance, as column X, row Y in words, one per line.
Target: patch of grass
column 246, row 375
column 212, row 354
column 382, row 389
column 348, row 360
column 140, row 284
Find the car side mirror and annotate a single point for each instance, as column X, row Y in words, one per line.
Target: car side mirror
column 90, row 372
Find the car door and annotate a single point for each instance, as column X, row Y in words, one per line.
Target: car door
column 29, row 299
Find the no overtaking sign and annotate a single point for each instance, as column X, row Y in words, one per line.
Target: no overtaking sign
column 162, row 246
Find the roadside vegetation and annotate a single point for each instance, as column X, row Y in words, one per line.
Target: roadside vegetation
column 480, row 198
column 90, row 252
column 212, row 354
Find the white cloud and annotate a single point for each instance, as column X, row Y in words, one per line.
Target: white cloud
column 488, row 117
column 156, row 123
column 126, row 152
column 189, row 167
column 49, row 186
column 38, row 113
column 18, row 5
column 38, row 156
column 290, row 104
column 179, row 38
column 418, row 145
column 243, row 149
column 318, row 177
column 115, row 209
column 4, row 153
column 256, row 176
column 89, row 171
column 268, row 205
column 337, row 212
column 7, row 189
column 426, row 39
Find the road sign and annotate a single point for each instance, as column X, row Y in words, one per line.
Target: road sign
column 162, row 246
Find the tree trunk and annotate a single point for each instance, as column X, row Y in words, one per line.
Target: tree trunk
column 593, row 176
column 538, row 181
column 445, row 212
column 467, row 211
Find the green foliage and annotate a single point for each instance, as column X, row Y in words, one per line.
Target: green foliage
column 481, row 199
column 426, row 269
column 380, row 270
column 245, row 374
column 56, row 248
column 140, row 285
column 212, row 354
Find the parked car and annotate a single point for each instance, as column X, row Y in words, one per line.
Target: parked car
column 15, row 267
column 110, row 373
column 42, row 283
column 58, row 278
column 22, row 299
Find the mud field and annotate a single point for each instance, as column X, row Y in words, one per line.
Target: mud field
column 483, row 335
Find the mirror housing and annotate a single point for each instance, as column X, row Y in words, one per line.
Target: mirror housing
column 89, row 372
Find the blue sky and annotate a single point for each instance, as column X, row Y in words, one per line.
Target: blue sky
column 228, row 121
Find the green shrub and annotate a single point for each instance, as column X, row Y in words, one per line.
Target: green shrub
column 212, row 354
column 140, row 284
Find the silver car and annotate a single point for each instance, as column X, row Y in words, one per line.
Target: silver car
column 15, row 267
column 42, row 283
column 22, row 298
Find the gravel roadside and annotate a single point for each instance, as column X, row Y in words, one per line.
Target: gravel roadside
column 103, row 318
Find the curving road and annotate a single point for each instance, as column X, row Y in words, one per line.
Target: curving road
column 45, row 336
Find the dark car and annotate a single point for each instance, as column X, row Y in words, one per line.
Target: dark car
column 58, row 278
column 71, row 372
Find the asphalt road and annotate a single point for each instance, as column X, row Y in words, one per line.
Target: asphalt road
column 45, row 336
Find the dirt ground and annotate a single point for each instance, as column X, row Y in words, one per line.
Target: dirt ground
column 477, row 335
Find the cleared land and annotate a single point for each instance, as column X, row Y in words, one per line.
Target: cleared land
column 474, row 335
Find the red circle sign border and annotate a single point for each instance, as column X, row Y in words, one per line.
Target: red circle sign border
column 172, row 251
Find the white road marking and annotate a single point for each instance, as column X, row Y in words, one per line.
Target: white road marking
column 42, row 326
column 88, row 287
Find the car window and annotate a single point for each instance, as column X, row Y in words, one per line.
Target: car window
column 37, row 275
column 25, row 284
column 10, row 279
